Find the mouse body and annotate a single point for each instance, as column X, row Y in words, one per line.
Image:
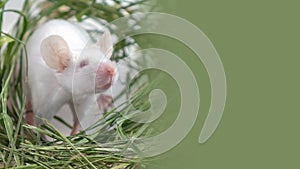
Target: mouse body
column 65, row 68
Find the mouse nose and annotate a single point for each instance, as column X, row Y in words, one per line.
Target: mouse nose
column 110, row 69
column 105, row 75
column 106, row 69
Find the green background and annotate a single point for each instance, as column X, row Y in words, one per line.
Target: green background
column 258, row 42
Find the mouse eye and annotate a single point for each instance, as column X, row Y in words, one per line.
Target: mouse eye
column 83, row 63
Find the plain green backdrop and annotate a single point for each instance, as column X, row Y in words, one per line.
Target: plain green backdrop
column 258, row 42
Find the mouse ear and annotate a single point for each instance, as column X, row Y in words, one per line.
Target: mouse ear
column 56, row 53
column 105, row 44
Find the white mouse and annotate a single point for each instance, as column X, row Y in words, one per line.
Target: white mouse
column 63, row 67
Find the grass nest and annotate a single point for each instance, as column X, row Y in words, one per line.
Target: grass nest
column 22, row 145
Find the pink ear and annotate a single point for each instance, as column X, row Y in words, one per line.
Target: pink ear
column 56, row 53
column 105, row 44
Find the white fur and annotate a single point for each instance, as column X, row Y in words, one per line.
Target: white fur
column 51, row 89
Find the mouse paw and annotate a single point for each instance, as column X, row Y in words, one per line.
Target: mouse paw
column 105, row 102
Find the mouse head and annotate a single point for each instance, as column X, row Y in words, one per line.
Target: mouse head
column 88, row 71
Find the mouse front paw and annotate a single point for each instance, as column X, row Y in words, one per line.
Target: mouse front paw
column 105, row 102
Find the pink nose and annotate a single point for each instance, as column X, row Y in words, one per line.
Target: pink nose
column 105, row 75
column 110, row 69
column 106, row 69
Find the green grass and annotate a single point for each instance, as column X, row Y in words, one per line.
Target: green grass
column 22, row 145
